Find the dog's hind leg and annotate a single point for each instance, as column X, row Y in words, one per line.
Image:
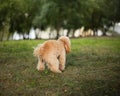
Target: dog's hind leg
column 40, row 66
column 53, row 65
column 62, row 59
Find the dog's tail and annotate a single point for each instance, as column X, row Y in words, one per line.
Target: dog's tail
column 36, row 51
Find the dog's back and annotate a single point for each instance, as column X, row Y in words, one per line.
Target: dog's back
column 48, row 47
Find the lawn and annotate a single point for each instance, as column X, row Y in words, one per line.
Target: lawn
column 92, row 69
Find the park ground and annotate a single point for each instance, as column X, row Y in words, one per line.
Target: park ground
column 92, row 69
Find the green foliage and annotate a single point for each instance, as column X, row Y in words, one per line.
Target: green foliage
column 20, row 15
column 92, row 69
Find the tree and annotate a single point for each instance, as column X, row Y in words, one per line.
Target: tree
column 18, row 14
column 58, row 14
column 21, row 15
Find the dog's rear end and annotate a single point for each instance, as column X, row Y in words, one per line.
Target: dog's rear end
column 36, row 51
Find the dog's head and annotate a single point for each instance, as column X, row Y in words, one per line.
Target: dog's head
column 67, row 43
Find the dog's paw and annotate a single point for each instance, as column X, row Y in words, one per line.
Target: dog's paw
column 62, row 69
column 40, row 69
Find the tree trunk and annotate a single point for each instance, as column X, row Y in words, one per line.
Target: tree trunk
column 73, row 33
column 2, row 35
column 57, row 36
column 57, row 29
column 94, row 32
column 68, row 32
column 8, row 36
column 104, row 32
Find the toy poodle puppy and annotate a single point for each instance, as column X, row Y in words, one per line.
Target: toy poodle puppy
column 53, row 52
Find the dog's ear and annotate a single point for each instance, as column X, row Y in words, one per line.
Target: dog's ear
column 66, row 42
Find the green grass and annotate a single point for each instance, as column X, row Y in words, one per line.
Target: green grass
column 92, row 69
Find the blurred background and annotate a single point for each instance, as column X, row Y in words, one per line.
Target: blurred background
column 93, row 65
column 46, row 19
